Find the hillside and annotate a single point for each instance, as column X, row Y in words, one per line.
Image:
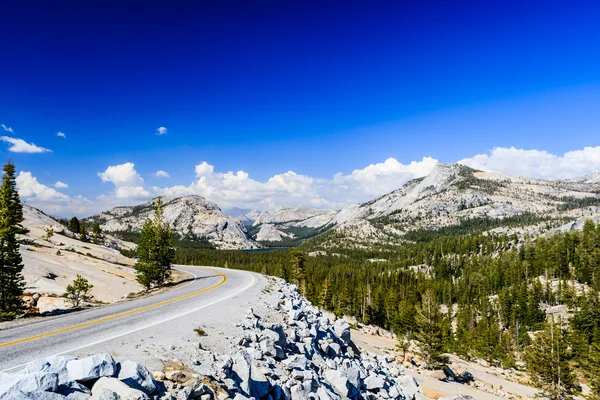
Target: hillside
column 188, row 215
column 454, row 196
column 51, row 263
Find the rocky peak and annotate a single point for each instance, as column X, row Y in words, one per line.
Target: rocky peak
column 188, row 214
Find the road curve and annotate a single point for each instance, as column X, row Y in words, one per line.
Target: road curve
column 92, row 328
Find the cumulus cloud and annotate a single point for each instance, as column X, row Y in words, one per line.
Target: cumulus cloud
column 6, row 128
column 30, row 189
column 126, row 180
column 161, row 131
column 121, row 175
column 61, row 134
column 21, row 146
column 239, row 189
column 537, row 163
column 61, row 185
column 230, row 189
column 161, row 174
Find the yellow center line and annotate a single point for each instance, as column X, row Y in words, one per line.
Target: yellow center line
column 115, row 316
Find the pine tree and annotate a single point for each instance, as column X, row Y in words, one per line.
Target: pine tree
column 74, row 225
column 594, row 371
column 155, row 251
column 97, row 232
column 83, row 232
column 548, row 362
column 298, row 265
column 11, row 216
column 79, row 291
column 429, row 333
column 325, row 295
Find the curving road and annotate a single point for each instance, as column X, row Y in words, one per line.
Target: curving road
column 107, row 327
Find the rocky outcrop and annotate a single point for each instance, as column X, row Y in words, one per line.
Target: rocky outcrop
column 186, row 215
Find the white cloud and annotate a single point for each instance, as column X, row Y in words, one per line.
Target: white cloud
column 6, row 128
column 61, row 185
column 132, row 192
column 121, row 175
column 61, row 134
column 161, row 131
column 21, row 146
column 537, row 163
column 161, row 174
column 128, row 183
column 30, row 189
column 290, row 188
column 238, row 188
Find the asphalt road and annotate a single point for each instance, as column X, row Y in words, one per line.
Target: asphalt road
column 98, row 328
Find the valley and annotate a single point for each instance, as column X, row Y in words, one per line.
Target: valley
column 461, row 263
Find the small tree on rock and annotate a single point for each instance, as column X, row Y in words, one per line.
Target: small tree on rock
column 49, row 232
column 79, row 291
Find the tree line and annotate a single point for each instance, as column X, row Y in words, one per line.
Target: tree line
column 477, row 295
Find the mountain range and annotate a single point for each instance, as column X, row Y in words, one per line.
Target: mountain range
column 451, row 195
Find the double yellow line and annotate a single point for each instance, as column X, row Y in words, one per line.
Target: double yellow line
column 115, row 316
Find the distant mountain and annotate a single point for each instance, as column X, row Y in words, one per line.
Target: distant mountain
column 245, row 216
column 288, row 226
column 236, row 212
column 456, row 196
column 452, row 197
column 188, row 215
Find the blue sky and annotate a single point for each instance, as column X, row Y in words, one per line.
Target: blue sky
column 314, row 87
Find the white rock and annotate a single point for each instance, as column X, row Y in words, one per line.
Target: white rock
column 49, row 305
column 342, row 329
column 374, row 382
column 242, row 367
column 34, row 382
column 296, row 362
column 57, row 364
column 135, row 375
column 92, row 367
column 118, row 387
column 19, row 395
column 409, row 385
column 337, row 381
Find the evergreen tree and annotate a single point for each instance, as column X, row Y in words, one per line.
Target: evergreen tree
column 83, row 232
column 465, row 324
column 325, row 296
column 97, row 232
column 155, row 251
column 594, row 371
column 548, row 362
column 11, row 216
column 74, row 225
column 79, row 291
column 298, row 265
column 429, row 333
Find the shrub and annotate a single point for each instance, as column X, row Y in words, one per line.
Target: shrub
column 79, row 291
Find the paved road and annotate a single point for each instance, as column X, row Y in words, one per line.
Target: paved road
column 102, row 326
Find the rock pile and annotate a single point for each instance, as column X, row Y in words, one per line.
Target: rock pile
column 96, row 377
column 306, row 356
